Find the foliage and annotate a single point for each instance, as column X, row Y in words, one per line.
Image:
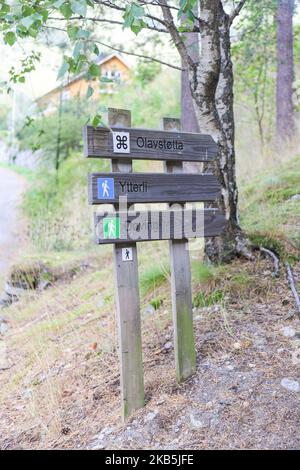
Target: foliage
column 57, row 207
column 146, row 72
column 4, row 113
column 254, row 56
column 148, row 105
column 21, row 19
column 42, row 133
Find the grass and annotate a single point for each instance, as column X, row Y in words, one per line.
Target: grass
column 268, row 214
column 153, row 277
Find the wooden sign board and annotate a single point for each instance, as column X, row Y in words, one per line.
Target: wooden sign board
column 122, row 227
column 118, row 143
column 106, row 188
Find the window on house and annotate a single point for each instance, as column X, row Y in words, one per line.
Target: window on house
column 65, row 94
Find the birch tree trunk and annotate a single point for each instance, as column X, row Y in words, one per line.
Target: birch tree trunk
column 211, row 84
column 212, row 89
column 285, row 66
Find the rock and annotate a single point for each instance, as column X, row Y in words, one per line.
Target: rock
column 290, row 384
column 197, row 318
column 98, row 446
column 288, row 331
column 4, row 363
column 13, row 292
column 168, row 345
column 295, row 197
column 290, row 314
column 237, row 345
column 4, row 327
column 260, row 342
column 149, row 310
column 196, row 422
column 5, row 300
column 43, row 284
column 28, row 275
column 160, row 401
column 150, row 416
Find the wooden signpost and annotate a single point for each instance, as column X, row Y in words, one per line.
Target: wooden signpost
column 123, row 228
column 145, row 144
column 157, row 225
column 152, row 187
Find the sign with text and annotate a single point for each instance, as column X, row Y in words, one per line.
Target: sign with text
column 152, row 187
column 158, row 225
column 115, row 143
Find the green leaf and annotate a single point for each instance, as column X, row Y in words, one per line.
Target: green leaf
column 96, row 50
column 137, row 10
column 94, row 70
column 58, row 3
column 89, row 92
column 83, row 34
column 96, row 120
column 66, row 10
column 72, row 31
column 63, row 70
column 10, row 38
column 4, row 9
column 77, row 49
column 79, row 6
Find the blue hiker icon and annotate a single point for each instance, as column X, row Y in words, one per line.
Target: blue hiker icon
column 106, row 189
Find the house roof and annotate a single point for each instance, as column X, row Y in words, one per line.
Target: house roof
column 101, row 59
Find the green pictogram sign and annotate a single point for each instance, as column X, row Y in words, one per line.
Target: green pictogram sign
column 111, row 227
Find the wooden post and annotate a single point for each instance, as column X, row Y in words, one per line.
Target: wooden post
column 184, row 344
column 127, row 301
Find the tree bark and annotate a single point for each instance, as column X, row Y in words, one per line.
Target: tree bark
column 285, row 70
column 211, row 84
column 212, row 89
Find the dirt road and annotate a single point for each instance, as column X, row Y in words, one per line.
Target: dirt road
column 12, row 187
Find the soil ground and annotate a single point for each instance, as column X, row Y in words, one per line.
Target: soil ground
column 62, row 389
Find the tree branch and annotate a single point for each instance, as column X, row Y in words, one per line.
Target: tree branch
column 105, row 20
column 113, row 6
column 141, row 56
column 178, row 41
column 236, row 11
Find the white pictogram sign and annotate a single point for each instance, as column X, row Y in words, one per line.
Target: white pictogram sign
column 126, row 254
column 121, row 142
